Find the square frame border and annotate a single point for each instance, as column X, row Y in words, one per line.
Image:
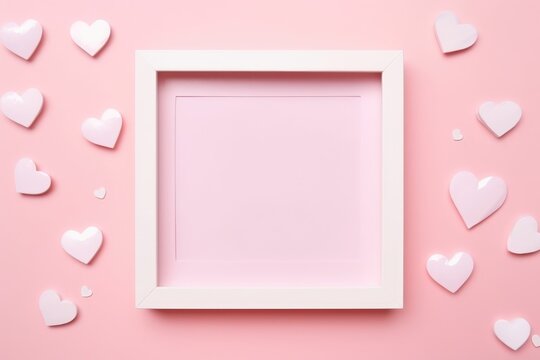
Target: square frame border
column 149, row 295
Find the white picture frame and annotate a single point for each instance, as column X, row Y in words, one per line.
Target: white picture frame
column 151, row 296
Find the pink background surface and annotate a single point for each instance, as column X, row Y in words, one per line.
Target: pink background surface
column 442, row 92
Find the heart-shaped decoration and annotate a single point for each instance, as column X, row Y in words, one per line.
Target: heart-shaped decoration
column 524, row 238
column 513, row 333
column 104, row 131
column 450, row 274
column 28, row 180
column 476, row 200
column 22, row 40
column 501, row 117
column 536, row 340
column 86, row 291
column 91, row 38
column 82, row 246
column 100, row 193
column 457, row 135
column 56, row 311
column 452, row 35
column 22, row 109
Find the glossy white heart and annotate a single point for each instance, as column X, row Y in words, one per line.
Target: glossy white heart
column 104, row 131
column 457, row 135
column 91, row 38
column 513, row 333
column 82, row 246
column 86, row 291
column 536, row 340
column 476, row 200
column 452, row 35
column 30, row 181
column 22, row 40
column 100, row 192
column 22, row 109
column 54, row 310
column 450, row 274
column 524, row 238
column 499, row 117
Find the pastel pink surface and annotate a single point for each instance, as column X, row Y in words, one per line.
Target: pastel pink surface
column 443, row 92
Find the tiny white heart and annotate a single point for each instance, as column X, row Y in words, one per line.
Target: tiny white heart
column 83, row 246
column 91, row 38
column 513, row 333
column 450, row 274
column 28, row 180
column 22, row 109
column 86, row 291
column 536, row 340
column 476, row 200
column 100, row 192
column 457, row 135
column 452, row 35
column 22, row 40
column 54, row 310
column 104, row 131
column 501, row 117
column 524, row 238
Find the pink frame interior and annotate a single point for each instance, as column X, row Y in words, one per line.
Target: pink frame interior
column 269, row 179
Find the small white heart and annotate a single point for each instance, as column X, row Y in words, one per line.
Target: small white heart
column 476, row 200
column 450, row 274
column 100, row 192
column 54, row 310
column 86, row 291
column 457, row 135
column 501, row 117
column 536, row 340
column 91, row 38
column 83, row 246
column 28, row 180
column 513, row 333
column 524, row 238
column 452, row 35
column 104, row 131
column 22, row 109
column 22, row 40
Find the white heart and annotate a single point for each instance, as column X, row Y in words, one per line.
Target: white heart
column 476, row 200
column 452, row 35
column 100, row 192
column 457, row 135
column 22, row 40
column 23, row 109
column 104, row 131
column 536, row 340
column 513, row 333
column 54, row 310
column 450, row 274
column 524, row 238
column 91, row 38
column 499, row 118
column 30, row 181
column 82, row 246
column 86, row 291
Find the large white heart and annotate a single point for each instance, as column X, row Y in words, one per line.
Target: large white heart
column 450, row 274
column 54, row 310
column 524, row 237
column 83, row 246
column 452, row 35
column 22, row 109
column 476, row 200
column 104, row 131
column 499, row 117
column 30, row 181
column 91, row 38
column 22, row 40
column 513, row 333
